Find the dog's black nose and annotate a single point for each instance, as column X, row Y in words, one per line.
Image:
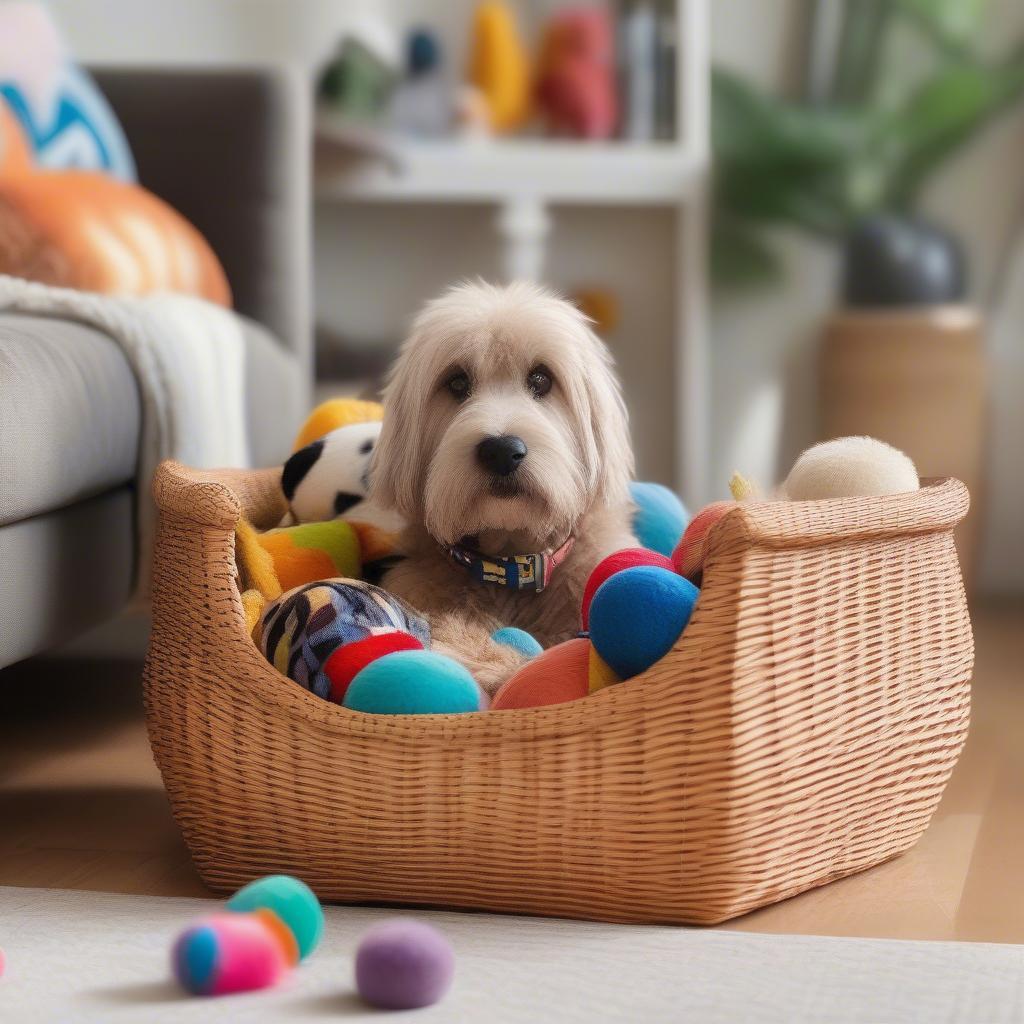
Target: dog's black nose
column 501, row 455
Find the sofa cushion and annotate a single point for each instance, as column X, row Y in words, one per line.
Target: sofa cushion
column 70, row 410
column 64, row 572
column 69, row 415
column 275, row 396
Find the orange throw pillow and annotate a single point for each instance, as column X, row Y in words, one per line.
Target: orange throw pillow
column 15, row 151
column 85, row 230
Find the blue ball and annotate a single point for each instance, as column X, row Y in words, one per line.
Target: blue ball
column 637, row 615
column 660, row 517
column 518, row 639
column 294, row 903
column 413, row 683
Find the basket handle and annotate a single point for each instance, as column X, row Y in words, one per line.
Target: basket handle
column 219, row 497
column 936, row 507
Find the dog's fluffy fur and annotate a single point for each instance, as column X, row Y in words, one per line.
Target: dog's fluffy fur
column 573, row 480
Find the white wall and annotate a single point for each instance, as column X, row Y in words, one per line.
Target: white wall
column 762, row 391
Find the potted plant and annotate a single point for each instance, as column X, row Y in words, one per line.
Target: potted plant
column 902, row 359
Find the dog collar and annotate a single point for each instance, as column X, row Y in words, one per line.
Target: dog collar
column 518, row 572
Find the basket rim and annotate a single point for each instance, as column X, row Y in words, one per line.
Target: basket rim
column 216, row 499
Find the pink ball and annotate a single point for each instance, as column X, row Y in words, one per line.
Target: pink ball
column 226, row 953
column 627, row 558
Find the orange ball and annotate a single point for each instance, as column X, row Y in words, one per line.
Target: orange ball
column 688, row 557
column 627, row 558
column 558, row 675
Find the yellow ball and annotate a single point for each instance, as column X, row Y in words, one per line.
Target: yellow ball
column 599, row 673
column 334, row 413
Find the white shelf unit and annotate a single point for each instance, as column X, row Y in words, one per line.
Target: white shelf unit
column 524, row 178
column 624, row 173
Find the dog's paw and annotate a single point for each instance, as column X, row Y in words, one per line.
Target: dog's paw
column 470, row 644
column 501, row 664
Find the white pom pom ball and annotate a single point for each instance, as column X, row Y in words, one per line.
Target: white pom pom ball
column 850, row 467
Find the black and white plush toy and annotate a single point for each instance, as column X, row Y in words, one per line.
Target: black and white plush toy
column 331, row 476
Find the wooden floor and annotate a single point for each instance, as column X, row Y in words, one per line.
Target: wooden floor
column 81, row 806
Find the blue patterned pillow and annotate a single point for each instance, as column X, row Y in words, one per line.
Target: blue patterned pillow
column 66, row 119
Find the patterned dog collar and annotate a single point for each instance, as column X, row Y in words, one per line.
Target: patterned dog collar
column 520, row 572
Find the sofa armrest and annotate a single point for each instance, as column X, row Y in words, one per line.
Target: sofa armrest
column 230, row 149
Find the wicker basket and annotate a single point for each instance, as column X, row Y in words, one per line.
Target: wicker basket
column 802, row 729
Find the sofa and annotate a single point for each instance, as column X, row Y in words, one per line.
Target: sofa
column 230, row 150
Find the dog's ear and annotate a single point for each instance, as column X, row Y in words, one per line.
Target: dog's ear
column 609, row 425
column 395, row 468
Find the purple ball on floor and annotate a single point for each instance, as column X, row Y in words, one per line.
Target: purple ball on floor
column 403, row 964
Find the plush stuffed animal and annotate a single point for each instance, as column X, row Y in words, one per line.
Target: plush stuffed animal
column 576, row 83
column 499, row 67
column 331, row 476
column 334, row 413
column 337, row 532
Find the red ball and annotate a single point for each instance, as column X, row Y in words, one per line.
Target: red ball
column 350, row 659
column 627, row 558
column 688, row 557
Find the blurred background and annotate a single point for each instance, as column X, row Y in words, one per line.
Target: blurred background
column 819, row 115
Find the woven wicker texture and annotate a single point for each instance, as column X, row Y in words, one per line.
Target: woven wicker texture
column 802, row 729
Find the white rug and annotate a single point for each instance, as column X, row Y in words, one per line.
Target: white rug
column 77, row 956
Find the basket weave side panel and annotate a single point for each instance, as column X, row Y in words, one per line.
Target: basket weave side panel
column 849, row 708
column 803, row 728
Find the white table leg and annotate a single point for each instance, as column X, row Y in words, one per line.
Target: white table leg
column 524, row 226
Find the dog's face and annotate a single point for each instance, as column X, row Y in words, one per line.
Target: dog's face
column 502, row 418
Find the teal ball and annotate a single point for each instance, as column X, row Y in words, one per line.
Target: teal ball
column 637, row 615
column 517, row 639
column 660, row 517
column 292, row 900
column 413, row 683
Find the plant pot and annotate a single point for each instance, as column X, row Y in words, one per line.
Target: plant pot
column 916, row 378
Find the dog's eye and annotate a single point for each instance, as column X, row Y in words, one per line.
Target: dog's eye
column 539, row 381
column 458, row 385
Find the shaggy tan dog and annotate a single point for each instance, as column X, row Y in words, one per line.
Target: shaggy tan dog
column 504, row 431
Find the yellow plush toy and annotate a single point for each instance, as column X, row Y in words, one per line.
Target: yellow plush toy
column 334, row 413
column 322, row 545
column 499, row 66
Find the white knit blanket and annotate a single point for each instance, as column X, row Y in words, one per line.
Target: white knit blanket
column 188, row 357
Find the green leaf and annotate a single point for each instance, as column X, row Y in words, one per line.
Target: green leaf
column 748, row 126
column 813, row 199
column 860, row 49
column 740, row 258
column 940, row 117
column 952, row 24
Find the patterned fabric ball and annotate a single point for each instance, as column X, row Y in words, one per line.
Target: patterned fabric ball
column 301, row 629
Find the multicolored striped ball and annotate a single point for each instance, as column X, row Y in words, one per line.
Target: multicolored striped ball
column 304, row 627
column 225, row 953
